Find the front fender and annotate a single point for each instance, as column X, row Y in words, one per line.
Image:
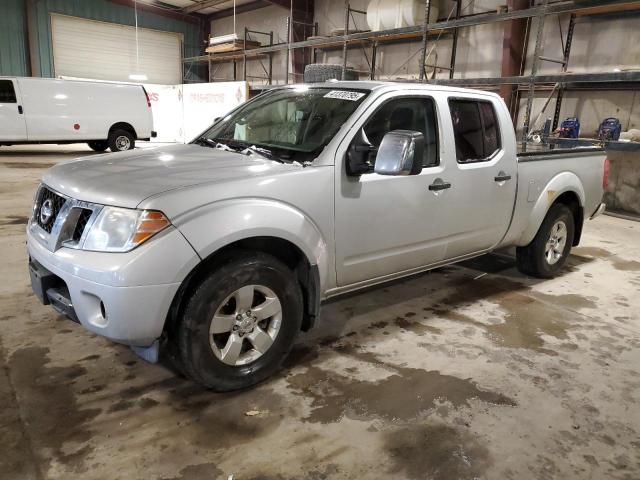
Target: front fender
column 216, row 225
column 561, row 183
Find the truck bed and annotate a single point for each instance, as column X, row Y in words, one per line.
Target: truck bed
column 539, row 174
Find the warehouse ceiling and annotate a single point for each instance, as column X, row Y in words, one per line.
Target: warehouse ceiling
column 205, row 7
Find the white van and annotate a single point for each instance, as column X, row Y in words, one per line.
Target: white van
column 47, row 110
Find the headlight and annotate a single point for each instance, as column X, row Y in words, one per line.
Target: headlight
column 123, row 229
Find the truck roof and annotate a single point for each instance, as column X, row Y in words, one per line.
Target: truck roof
column 376, row 85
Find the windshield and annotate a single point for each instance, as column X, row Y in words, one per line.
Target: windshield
column 292, row 123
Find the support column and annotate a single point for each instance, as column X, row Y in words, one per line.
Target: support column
column 425, row 36
column 565, row 65
column 32, row 39
column 535, row 63
column 301, row 26
column 514, row 52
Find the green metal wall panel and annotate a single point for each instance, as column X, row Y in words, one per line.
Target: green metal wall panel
column 14, row 50
column 14, row 59
column 106, row 11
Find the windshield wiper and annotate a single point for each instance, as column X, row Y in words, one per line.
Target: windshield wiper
column 225, row 147
column 266, row 153
column 246, row 148
column 206, row 142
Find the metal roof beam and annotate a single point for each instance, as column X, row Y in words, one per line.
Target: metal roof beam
column 196, row 7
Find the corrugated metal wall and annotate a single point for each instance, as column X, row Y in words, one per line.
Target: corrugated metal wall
column 14, row 58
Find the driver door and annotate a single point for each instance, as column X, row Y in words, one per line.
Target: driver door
column 390, row 224
column 13, row 126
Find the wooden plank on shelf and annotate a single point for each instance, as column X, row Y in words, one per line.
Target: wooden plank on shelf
column 228, row 57
column 608, row 8
column 232, row 46
column 408, row 35
column 395, row 37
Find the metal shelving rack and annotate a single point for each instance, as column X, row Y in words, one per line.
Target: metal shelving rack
column 243, row 55
column 531, row 82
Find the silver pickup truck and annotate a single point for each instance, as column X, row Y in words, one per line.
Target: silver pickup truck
column 220, row 251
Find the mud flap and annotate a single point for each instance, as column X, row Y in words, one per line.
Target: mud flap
column 150, row 353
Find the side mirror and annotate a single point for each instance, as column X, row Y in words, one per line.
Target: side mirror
column 358, row 161
column 215, row 120
column 400, row 153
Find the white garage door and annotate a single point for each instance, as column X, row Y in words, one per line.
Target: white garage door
column 107, row 51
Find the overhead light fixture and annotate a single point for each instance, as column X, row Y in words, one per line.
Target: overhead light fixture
column 139, row 77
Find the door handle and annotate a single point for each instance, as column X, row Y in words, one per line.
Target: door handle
column 20, row 109
column 439, row 186
column 502, row 178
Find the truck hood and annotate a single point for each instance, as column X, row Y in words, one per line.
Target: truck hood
column 125, row 179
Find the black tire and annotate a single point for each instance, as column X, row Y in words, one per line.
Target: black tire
column 239, row 269
column 532, row 259
column 321, row 72
column 98, row 145
column 121, row 141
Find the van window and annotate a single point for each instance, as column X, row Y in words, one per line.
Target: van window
column 7, row 93
column 417, row 114
column 475, row 128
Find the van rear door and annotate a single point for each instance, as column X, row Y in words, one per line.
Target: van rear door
column 13, row 127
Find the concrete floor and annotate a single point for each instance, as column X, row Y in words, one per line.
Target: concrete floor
column 472, row 371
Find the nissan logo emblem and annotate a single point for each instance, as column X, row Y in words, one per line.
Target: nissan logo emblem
column 46, row 211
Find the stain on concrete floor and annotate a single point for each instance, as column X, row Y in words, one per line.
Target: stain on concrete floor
column 14, row 220
column 617, row 262
column 27, row 165
column 335, row 396
column 437, row 452
column 472, row 371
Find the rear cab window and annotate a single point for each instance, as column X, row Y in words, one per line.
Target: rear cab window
column 7, row 92
column 475, row 129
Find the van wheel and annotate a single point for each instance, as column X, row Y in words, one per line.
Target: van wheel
column 98, row 145
column 121, row 140
column 547, row 253
column 240, row 322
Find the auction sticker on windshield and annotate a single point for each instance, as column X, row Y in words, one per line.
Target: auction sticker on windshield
column 344, row 95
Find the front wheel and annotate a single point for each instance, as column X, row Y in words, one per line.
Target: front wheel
column 121, row 141
column 240, row 322
column 547, row 253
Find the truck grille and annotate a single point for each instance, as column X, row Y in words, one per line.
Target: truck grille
column 59, row 221
column 83, row 218
column 48, row 204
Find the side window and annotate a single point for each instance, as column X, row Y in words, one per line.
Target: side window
column 490, row 128
column 475, row 128
column 7, row 93
column 417, row 114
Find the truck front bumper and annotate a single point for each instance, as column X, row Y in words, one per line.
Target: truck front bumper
column 124, row 297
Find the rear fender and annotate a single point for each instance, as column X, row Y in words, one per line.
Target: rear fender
column 561, row 183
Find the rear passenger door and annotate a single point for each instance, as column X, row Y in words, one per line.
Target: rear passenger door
column 13, row 127
column 485, row 174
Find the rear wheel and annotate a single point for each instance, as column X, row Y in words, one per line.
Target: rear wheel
column 547, row 253
column 240, row 322
column 121, row 140
column 98, row 145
